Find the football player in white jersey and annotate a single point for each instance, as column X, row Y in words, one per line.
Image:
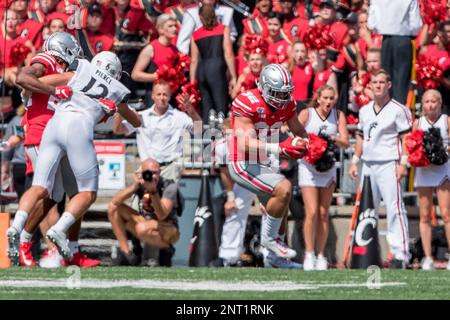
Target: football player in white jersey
column 92, row 92
column 433, row 176
column 318, row 187
column 382, row 125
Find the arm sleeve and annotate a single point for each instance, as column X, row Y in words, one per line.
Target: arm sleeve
column 239, row 108
column 186, row 30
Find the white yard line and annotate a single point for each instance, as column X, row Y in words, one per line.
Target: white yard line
column 186, row 285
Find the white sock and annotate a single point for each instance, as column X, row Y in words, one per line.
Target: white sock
column 65, row 222
column 74, row 247
column 25, row 236
column 270, row 228
column 19, row 220
column 309, row 254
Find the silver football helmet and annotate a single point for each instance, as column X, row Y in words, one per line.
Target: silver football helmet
column 62, row 45
column 275, row 84
column 109, row 63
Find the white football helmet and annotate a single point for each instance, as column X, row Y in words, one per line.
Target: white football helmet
column 109, row 63
column 62, row 45
column 275, row 84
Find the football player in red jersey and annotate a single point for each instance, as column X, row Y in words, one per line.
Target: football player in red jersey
column 60, row 50
column 256, row 118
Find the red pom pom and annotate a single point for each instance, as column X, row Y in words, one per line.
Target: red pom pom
column 433, row 11
column 317, row 147
column 190, row 89
column 319, row 37
column 416, row 151
column 256, row 44
column 428, row 72
column 364, row 80
column 19, row 52
column 362, row 99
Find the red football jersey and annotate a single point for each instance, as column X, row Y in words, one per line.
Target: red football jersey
column 38, row 113
column 31, row 30
column 267, row 121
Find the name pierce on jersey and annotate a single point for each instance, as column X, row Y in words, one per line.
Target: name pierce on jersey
column 103, row 76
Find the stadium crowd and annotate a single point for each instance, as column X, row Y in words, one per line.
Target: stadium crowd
column 189, row 60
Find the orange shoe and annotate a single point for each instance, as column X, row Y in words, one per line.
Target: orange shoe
column 82, row 260
column 26, row 258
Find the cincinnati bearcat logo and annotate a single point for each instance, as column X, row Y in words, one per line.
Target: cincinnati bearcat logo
column 322, row 129
column 371, row 127
column 201, row 214
column 367, row 219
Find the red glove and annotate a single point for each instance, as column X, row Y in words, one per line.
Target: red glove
column 62, row 92
column 291, row 151
column 108, row 105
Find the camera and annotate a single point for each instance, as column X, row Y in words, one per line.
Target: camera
column 147, row 175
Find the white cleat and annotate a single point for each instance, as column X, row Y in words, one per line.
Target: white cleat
column 427, row 263
column 52, row 260
column 279, row 248
column 59, row 239
column 448, row 264
column 321, row 263
column 13, row 246
column 309, row 263
column 274, row 261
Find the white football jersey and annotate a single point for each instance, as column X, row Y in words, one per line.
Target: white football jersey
column 381, row 131
column 317, row 125
column 441, row 123
column 89, row 84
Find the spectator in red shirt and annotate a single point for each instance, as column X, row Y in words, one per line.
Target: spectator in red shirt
column 322, row 68
column 40, row 9
column 294, row 27
column 9, row 39
column 367, row 39
column 56, row 22
column 278, row 45
column 28, row 28
column 257, row 24
column 91, row 38
column 247, row 79
column 157, row 53
column 338, row 29
column 302, row 74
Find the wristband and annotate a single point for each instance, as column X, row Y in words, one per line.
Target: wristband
column 404, row 160
column 230, row 196
column 355, row 159
column 272, row 148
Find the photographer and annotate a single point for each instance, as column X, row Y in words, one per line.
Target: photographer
column 156, row 221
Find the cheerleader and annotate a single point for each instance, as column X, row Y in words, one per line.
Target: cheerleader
column 317, row 187
column 247, row 79
column 433, row 176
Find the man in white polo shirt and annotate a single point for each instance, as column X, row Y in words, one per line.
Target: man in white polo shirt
column 161, row 135
column 382, row 125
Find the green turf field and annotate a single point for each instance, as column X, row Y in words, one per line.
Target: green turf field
column 228, row 283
